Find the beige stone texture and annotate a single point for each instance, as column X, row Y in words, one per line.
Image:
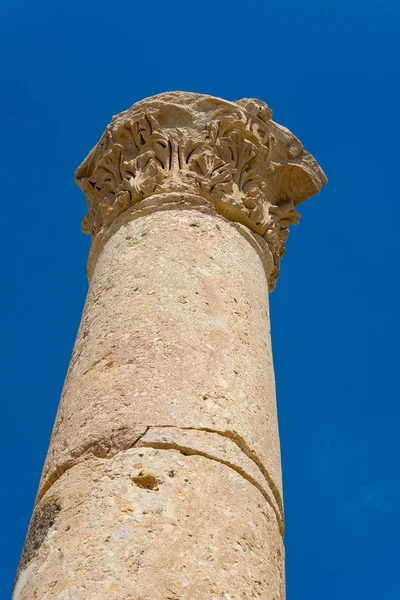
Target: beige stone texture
column 163, row 475
column 171, row 338
column 194, row 529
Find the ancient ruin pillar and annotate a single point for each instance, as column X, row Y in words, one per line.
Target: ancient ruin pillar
column 163, row 479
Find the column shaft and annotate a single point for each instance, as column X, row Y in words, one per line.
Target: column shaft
column 163, row 471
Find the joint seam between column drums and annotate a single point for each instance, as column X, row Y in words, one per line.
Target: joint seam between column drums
column 240, row 442
column 187, row 451
column 69, row 464
column 234, row 437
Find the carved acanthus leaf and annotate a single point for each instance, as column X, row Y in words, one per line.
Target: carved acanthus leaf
column 141, row 175
column 231, row 154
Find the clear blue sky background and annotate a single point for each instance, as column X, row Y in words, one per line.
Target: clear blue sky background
column 330, row 72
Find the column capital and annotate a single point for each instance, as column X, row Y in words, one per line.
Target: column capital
column 230, row 155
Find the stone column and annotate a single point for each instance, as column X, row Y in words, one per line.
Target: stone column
column 163, row 477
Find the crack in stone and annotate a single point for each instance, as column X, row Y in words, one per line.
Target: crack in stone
column 235, row 438
column 105, row 357
column 187, row 451
column 242, row 445
column 96, row 452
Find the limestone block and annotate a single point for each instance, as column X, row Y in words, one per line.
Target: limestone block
column 152, row 524
column 175, row 332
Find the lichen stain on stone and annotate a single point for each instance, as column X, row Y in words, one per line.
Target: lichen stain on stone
column 41, row 522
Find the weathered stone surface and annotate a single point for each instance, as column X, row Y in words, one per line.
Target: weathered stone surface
column 221, row 447
column 175, row 332
column 163, row 479
column 252, row 170
column 202, row 532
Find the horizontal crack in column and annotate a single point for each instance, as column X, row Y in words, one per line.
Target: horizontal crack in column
column 186, row 450
column 97, row 451
column 240, row 442
column 90, row 451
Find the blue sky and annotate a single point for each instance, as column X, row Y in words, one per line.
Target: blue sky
column 330, row 72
